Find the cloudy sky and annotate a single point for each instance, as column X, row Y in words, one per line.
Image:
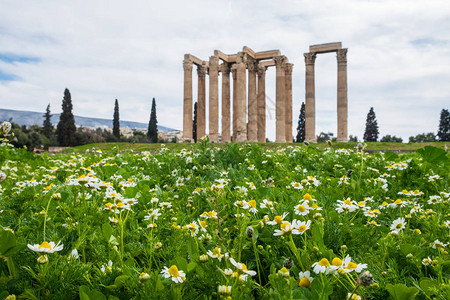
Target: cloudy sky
column 398, row 56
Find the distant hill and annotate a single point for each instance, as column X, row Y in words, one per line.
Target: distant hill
column 29, row 118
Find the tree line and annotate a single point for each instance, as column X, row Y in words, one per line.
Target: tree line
column 66, row 134
column 371, row 130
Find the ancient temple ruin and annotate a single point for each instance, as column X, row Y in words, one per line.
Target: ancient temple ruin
column 249, row 111
column 310, row 98
column 248, row 117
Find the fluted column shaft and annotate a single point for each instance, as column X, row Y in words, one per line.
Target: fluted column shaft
column 261, row 104
column 201, row 103
column 225, row 103
column 252, row 103
column 241, row 91
column 288, row 95
column 214, row 99
column 235, row 102
column 342, row 104
column 280, row 100
column 310, row 98
column 187, row 100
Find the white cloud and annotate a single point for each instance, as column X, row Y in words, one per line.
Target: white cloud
column 398, row 58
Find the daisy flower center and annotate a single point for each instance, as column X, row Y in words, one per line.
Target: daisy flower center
column 336, row 262
column 352, row 265
column 173, row 270
column 216, row 251
column 278, row 219
column 286, row 227
column 324, row 262
column 304, row 282
column 301, row 208
column 302, row 228
column 348, row 202
column 45, row 245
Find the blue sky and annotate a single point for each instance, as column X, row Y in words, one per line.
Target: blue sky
column 398, row 55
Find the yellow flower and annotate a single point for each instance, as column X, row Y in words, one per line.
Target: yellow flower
column 307, row 197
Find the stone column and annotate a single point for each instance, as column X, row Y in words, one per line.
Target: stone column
column 280, row 99
column 310, row 99
column 241, row 90
column 235, row 102
column 261, row 104
column 288, row 96
column 201, row 102
column 187, row 100
column 225, row 103
column 342, row 105
column 252, row 102
column 214, row 99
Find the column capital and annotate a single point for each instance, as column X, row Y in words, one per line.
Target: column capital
column 252, row 65
column 213, row 64
column 280, row 60
column 341, row 55
column 261, row 70
column 225, row 68
column 241, row 58
column 187, row 65
column 310, row 58
column 201, row 71
column 288, row 69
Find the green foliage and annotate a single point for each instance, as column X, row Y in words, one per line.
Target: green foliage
column 116, row 122
column 301, row 125
column 133, row 215
column 152, row 132
column 65, row 130
column 47, row 127
column 323, row 137
column 444, row 126
column 423, row 138
column 194, row 123
column 391, row 139
column 371, row 131
column 401, row 292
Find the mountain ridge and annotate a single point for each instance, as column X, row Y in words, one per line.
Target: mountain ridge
column 29, row 118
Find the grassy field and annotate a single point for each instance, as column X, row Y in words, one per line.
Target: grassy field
column 139, row 147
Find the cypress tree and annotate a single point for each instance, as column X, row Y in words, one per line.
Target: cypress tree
column 152, row 132
column 301, row 125
column 194, row 123
column 47, row 127
column 444, row 126
column 65, row 130
column 116, row 123
column 371, row 132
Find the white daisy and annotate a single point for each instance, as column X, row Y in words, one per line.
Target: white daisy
column 178, row 276
column 46, row 247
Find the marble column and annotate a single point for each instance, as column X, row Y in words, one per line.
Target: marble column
column 214, row 99
column 310, row 99
column 261, row 104
column 187, row 101
column 342, row 104
column 225, row 103
column 252, row 102
column 288, row 96
column 201, row 102
column 241, row 91
column 280, row 100
column 235, row 102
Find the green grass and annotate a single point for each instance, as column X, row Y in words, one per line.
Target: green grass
column 139, row 147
